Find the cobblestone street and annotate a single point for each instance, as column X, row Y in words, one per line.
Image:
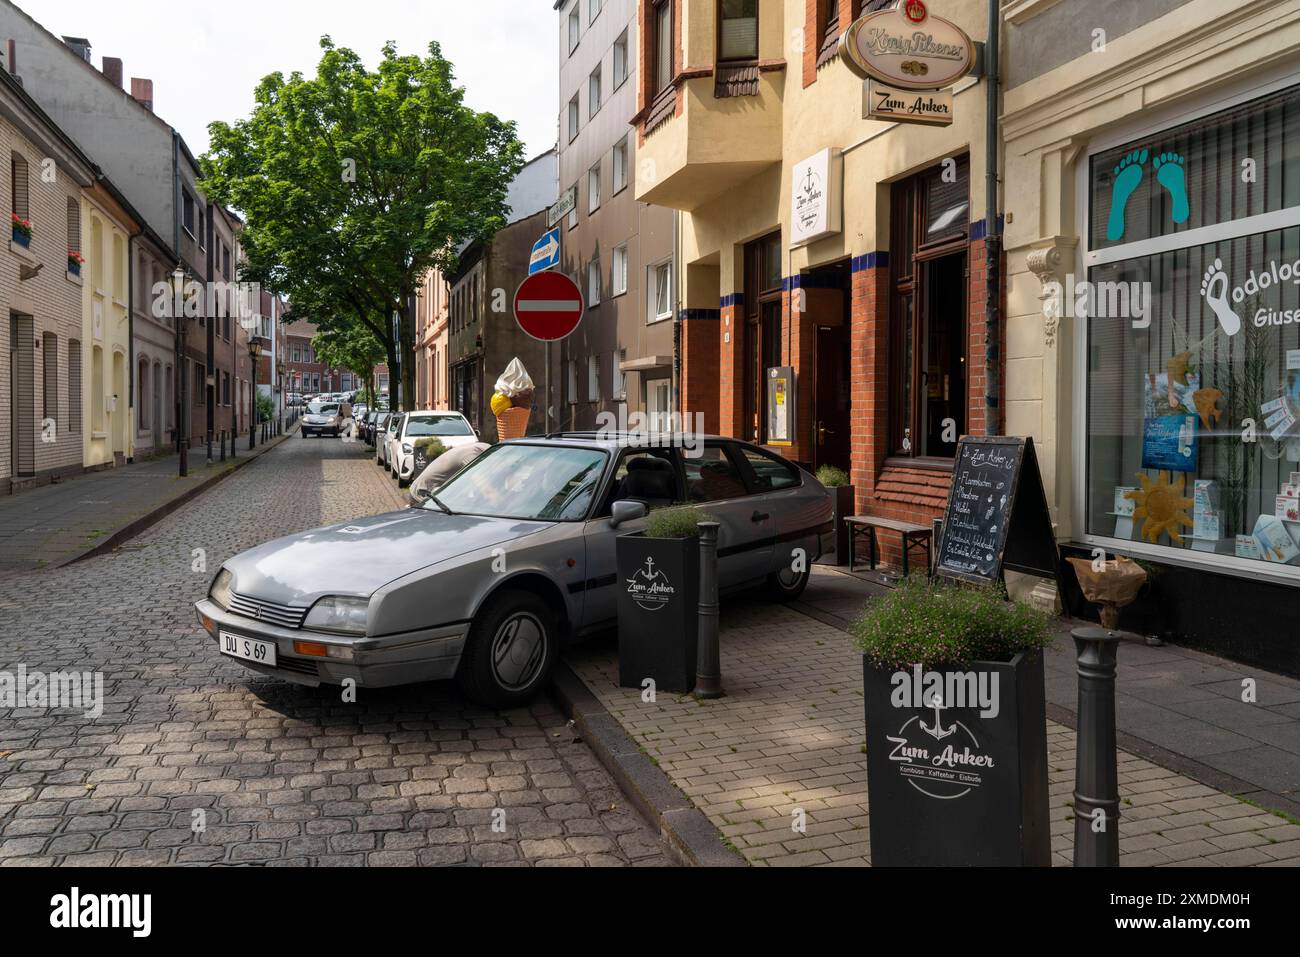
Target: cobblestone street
column 282, row 774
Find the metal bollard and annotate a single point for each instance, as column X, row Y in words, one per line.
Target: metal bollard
column 223, row 445
column 1096, row 778
column 708, row 655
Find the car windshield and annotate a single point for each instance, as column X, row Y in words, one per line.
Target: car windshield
column 437, row 425
column 323, row 408
column 526, row 482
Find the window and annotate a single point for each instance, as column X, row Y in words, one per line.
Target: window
column 198, row 391
column 74, row 226
column 928, row 348
column 74, row 386
column 620, row 165
column 225, row 388
column 573, row 380
column 203, row 229
column 663, row 44
column 661, row 285
column 573, row 213
column 188, row 213
column 617, row 383
column 593, row 188
column 738, row 32
column 618, row 271
column 593, row 378
column 18, row 187
column 575, row 27
column 620, row 60
column 1186, row 340
column 225, row 264
column 761, row 329
column 712, row 477
column 593, row 92
column 573, row 118
column 770, row 473
column 593, row 10
column 593, row 281
column 144, row 388
column 50, row 362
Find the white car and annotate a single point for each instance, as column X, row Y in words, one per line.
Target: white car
column 451, row 428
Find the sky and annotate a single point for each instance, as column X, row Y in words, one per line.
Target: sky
column 505, row 52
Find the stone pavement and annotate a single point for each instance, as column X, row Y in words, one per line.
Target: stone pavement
column 789, row 735
column 275, row 773
column 58, row 523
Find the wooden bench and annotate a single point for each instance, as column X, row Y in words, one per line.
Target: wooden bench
column 913, row 536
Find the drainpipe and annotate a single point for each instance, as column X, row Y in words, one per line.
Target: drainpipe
column 992, row 234
column 130, row 347
column 677, row 317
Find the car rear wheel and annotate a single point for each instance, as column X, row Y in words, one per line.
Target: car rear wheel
column 510, row 650
column 787, row 584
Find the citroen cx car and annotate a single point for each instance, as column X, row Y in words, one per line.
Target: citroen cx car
column 514, row 554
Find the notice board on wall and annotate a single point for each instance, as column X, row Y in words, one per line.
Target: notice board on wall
column 997, row 516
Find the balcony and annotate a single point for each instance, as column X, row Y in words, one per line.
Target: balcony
column 724, row 129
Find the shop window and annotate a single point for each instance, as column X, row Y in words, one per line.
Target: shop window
column 761, row 329
column 928, row 338
column 1193, row 347
column 738, row 30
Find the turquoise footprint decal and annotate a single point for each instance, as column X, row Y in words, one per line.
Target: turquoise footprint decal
column 1127, row 176
column 1169, row 171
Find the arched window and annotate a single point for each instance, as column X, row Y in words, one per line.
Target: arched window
column 142, row 388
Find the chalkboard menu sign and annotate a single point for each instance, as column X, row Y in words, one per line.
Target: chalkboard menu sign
column 997, row 515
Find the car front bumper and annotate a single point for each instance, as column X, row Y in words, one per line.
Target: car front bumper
column 429, row 654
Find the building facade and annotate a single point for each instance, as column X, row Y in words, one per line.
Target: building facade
column 746, row 114
column 431, row 341
column 1153, row 247
column 44, row 338
column 618, row 250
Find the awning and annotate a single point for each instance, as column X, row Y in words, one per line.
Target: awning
column 646, row 363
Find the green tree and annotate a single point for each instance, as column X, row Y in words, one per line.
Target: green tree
column 354, row 183
column 351, row 347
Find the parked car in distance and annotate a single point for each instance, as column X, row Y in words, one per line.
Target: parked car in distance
column 325, row 418
column 382, row 441
column 366, row 425
column 403, row 597
column 451, row 428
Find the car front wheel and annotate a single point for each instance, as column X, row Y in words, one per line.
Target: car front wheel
column 510, row 650
column 787, row 584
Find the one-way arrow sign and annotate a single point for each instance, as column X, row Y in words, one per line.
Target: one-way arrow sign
column 546, row 253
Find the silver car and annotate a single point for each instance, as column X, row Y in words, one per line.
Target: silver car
column 512, row 556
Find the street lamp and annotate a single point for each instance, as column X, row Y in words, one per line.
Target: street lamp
column 181, row 331
column 254, row 353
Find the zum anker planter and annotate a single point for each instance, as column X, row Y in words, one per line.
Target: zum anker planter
column 658, row 611
column 964, row 783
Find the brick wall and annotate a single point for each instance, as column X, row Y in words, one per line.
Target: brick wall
column 700, row 343
column 731, row 380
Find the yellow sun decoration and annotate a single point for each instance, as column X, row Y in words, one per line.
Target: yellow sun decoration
column 1161, row 503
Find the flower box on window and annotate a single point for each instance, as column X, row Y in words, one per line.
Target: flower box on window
column 75, row 262
column 22, row 230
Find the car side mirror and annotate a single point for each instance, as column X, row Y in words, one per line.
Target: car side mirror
column 626, row 510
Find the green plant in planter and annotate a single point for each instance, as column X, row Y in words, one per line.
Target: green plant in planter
column 431, row 445
column 832, row 477
column 935, row 624
column 680, row 521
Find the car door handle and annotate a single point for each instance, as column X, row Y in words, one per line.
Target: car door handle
column 759, row 516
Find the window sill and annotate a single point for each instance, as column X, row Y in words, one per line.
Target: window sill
column 920, row 462
column 22, row 252
column 658, row 319
column 74, row 278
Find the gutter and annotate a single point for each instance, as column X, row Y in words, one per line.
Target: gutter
column 992, row 231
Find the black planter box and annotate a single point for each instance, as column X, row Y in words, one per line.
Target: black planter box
column 956, row 786
column 845, row 502
column 658, row 611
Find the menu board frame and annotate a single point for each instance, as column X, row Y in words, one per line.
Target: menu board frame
column 1026, row 542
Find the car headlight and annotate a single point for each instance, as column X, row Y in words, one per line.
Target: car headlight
column 222, row 588
column 346, row 616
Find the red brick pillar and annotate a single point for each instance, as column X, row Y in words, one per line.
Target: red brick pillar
column 869, row 320
column 699, row 385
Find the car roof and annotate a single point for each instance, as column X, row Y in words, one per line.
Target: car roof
column 618, row 440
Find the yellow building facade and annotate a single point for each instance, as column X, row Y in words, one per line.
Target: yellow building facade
column 104, row 229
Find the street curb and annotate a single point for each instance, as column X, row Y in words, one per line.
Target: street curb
column 1181, row 764
column 689, row 834
column 144, row 522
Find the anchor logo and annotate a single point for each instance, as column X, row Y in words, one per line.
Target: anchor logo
column 938, row 731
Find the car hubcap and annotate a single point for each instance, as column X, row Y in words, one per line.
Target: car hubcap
column 518, row 651
column 788, row 577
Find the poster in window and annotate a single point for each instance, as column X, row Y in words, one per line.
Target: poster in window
column 780, row 406
column 1169, row 443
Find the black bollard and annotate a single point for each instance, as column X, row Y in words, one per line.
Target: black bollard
column 1096, row 778
column 223, row 445
column 708, row 658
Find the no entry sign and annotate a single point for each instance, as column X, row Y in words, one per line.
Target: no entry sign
column 548, row 306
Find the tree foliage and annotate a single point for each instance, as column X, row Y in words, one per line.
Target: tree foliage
column 355, row 182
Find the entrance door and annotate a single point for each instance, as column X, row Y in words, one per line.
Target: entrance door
column 22, row 396
column 156, row 417
column 658, row 404
column 941, row 379
column 832, row 397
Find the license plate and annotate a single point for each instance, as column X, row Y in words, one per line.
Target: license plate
column 250, row 649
